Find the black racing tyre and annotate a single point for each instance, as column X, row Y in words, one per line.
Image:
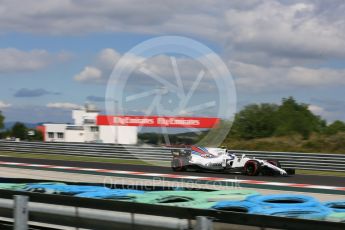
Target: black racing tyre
column 178, row 165
column 290, row 171
column 275, row 163
column 265, row 171
column 252, row 168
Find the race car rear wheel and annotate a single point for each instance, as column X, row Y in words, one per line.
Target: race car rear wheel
column 177, row 165
column 252, row 168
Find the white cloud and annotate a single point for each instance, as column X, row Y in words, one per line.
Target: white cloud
column 107, row 58
column 253, row 77
column 273, row 34
column 144, row 69
column 316, row 109
column 331, row 109
column 15, row 60
column 324, row 113
column 247, row 76
column 269, row 44
column 316, row 77
column 260, row 78
column 71, row 17
column 89, row 73
column 309, row 29
column 275, row 40
column 4, row 105
column 101, row 69
column 63, row 105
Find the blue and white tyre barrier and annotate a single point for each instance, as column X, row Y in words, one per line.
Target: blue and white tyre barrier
column 336, row 217
column 315, row 213
column 228, row 195
column 336, row 206
column 284, row 200
column 125, row 194
column 63, row 189
column 236, row 206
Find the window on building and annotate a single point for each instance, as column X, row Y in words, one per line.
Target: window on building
column 50, row 134
column 60, row 135
column 89, row 121
column 94, row 128
column 73, row 127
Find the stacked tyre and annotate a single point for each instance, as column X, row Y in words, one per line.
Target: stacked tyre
column 295, row 206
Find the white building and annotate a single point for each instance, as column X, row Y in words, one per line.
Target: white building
column 86, row 129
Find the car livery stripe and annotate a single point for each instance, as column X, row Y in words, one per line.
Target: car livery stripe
column 199, row 151
column 163, row 176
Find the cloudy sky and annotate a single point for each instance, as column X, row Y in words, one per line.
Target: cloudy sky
column 57, row 54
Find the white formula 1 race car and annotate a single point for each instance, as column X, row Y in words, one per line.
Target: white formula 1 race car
column 221, row 160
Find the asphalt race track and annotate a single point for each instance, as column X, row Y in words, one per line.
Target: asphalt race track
column 302, row 179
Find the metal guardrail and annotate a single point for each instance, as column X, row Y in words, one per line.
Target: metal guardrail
column 308, row 161
column 90, row 149
column 80, row 216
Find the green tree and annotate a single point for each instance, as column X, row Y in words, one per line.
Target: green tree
column 2, row 118
column 149, row 138
column 38, row 135
column 293, row 118
column 4, row 134
column 19, row 130
column 335, row 127
column 255, row 121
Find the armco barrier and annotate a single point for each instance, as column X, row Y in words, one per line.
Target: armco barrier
column 88, row 149
column 308, row 161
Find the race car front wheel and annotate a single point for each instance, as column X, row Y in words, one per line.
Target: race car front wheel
column 178, row 165
column 266, row 171
column 275, row 163
column 252, row 168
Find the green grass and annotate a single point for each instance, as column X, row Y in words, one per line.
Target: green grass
column 320, row 173
column 81, row 158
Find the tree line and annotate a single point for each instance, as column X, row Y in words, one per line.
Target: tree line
column 288, row 118
column 19, row 130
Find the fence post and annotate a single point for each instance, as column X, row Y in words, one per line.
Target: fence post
column 20, row 212
column 203, row 223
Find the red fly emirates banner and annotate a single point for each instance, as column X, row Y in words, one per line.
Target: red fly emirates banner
column 158, row 121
